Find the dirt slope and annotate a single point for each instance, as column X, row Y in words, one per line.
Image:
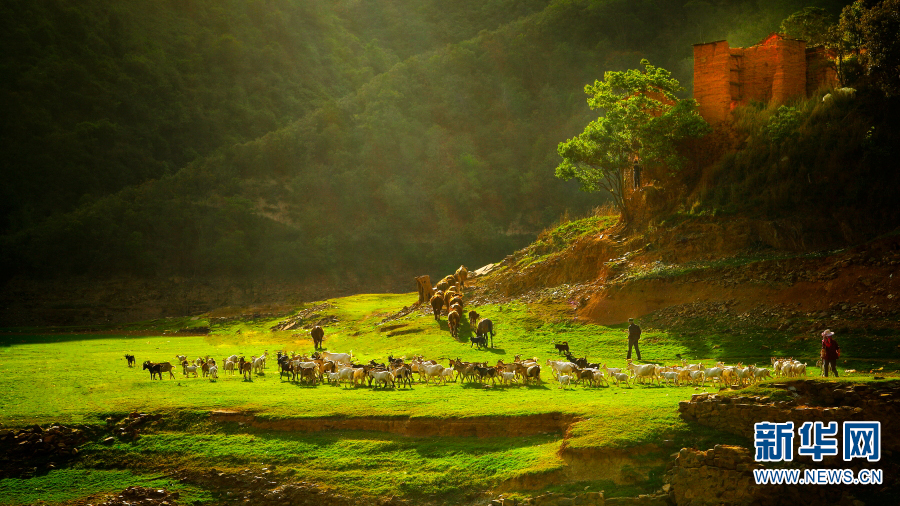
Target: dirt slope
column 613, row 275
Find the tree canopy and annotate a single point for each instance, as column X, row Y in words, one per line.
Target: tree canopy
column 643, row 121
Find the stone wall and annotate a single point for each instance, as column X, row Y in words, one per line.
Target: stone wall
column 813, row 401
column 724, row 476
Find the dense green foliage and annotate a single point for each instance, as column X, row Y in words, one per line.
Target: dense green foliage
column 101, row 95
column 829, row 166
column 812, row 24
column 880, row 25
column 293, row 138
column 642, row 122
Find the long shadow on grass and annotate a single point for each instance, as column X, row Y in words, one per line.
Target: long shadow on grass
column 7, row 341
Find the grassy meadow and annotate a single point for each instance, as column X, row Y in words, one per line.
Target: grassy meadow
column 70, row 377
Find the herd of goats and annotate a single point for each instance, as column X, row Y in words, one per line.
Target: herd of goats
column 448, row 295
column 339, row 368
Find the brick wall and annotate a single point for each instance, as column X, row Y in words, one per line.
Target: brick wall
column 774, row 70
column 711, row 80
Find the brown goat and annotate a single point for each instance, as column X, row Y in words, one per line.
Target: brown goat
column 453, row 320
column 437, row 304
column 246, row 368
column 318, row 335
column 461, row 275
column 473, row 318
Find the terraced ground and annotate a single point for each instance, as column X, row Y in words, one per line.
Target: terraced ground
column 420, row 443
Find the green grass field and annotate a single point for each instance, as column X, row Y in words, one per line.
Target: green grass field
column 83, row 378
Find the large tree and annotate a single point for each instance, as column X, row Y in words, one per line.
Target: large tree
column 880, row 27
column 642, row 120
column 812, row 24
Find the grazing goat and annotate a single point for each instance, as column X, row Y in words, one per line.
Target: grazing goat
column 154, row 369
column 620, row 377
column 559, row 367
column 611, row 370
column 714, row 374
column 697, row 375
column 403, row 374
column 130, row 359
column 562, row 347
column 599, row 377
column 334, row 378
column 246, row 368
column 284, row 364
column 189, row 368
column 213, row 372
column 759, row 374
column 259, row 363
column 486, row 372
column 563, row 380
column 318, row 335
column 437, row 304
column 485, row 328
column 643, row 371
column 670, row 376
column 461, row 275
column 453, row 322
column 432, row 371
column 533, row 372
column 159, row 369
column 383, row 377
column 338, row 358
column 309, row 375
column 473, row 318
column 466, row 370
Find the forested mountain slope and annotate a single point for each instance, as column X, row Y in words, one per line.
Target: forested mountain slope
column 402, row 136
column 101, row 95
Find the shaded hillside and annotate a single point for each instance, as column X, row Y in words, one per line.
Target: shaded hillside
column 445, row 158
column 824, row 171
column 103, row 95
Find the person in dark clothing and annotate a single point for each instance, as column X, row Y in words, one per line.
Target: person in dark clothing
column 831, row 351
column 636, row 175
column 634, row 334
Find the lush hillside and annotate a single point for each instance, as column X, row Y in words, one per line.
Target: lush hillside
column 403, row 137
column 101, row 95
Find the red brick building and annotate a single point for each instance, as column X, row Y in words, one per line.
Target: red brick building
column 776, row 69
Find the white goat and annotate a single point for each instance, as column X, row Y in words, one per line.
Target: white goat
column 620, row 377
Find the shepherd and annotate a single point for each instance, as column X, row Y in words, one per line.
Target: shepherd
column 634, row 335
column 831, row 351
